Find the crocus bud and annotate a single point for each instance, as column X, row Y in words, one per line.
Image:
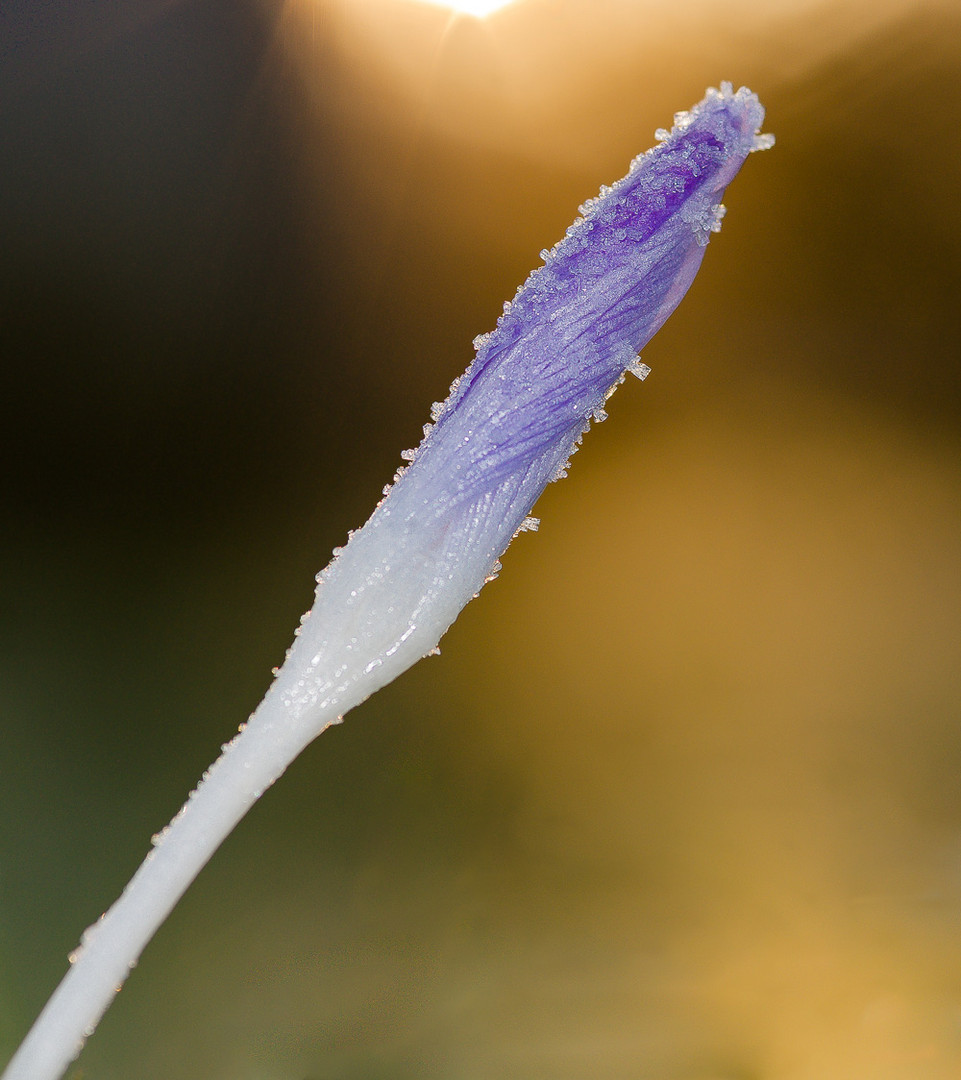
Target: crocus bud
column 514, row 418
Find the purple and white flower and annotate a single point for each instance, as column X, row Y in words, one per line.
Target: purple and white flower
column 515, row 417
column 508, row 428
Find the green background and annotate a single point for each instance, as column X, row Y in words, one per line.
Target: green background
column 680, row 799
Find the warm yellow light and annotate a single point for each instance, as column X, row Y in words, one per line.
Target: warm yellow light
column 480, row 9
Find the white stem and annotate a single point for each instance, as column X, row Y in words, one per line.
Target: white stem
column 382, row 604
column 111, row 947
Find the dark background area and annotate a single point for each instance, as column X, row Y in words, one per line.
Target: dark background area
column 679, row 800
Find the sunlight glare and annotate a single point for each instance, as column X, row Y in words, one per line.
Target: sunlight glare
column 479, row 9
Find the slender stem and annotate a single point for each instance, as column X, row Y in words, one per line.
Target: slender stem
column 112, row 946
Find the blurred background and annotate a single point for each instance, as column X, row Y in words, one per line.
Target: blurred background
column 680, row 799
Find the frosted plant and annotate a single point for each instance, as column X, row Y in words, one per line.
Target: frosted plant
column 508, row 428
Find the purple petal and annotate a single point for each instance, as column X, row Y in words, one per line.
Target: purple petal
column 579, row 321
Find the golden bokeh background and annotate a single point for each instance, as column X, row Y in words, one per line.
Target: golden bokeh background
column 680, row 799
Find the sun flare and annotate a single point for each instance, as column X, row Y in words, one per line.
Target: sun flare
column 479, row 9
